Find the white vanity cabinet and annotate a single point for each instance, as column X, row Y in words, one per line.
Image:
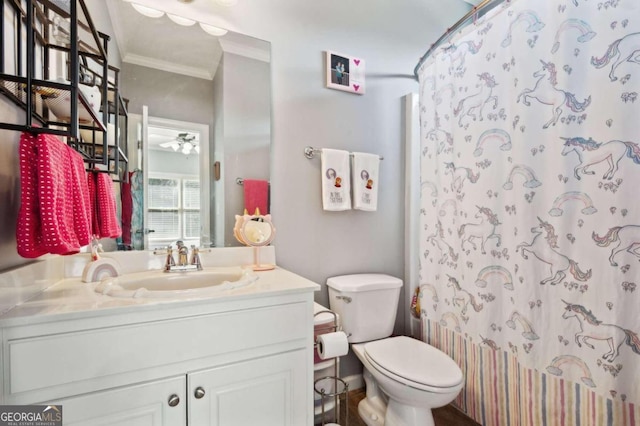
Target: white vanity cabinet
column 267, row 391
column 246, row 361
column 263, row 391
column 158, row 403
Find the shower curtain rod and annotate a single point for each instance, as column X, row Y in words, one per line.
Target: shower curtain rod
column 484, row 6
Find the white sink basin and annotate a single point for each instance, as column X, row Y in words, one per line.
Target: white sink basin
column 159, row 284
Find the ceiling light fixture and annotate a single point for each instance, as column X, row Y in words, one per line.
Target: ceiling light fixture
column 185, row 22
column 147, row 11
column 214, row 31
column 180, row 20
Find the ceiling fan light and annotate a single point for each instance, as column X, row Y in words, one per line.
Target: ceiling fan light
column 197, row 148
column 186, row 148
column 214, row 31
column 175, row 146
column 185, row 22
column 147, row 11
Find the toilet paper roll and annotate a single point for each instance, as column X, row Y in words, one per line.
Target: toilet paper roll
column 331, row 345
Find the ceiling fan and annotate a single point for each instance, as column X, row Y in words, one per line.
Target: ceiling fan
column 184, row 143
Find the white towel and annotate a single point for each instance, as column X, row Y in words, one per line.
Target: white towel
column 365, row 181
column 336, row 183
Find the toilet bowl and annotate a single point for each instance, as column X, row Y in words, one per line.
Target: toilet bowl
column 405, row 378
column 413, row 377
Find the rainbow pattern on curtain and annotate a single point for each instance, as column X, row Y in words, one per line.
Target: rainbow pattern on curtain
column 501, row 391
column 529, row 221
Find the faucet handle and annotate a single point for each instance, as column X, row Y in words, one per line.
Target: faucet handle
column 170, row 260
column 162, row 250
column 195, row 257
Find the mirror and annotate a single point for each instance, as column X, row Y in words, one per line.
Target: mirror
column 184, row 74
column 176, row 182
column 256, row 231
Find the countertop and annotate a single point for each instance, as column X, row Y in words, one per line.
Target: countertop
column 70, row 298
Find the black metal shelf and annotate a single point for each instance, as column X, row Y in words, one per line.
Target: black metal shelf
column 60, row 33
column 45, row 95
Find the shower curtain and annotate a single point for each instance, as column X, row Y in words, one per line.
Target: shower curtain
column 530, row 220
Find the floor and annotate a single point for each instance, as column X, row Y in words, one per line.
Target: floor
column 445, row 416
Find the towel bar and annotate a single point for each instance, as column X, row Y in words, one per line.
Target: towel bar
column 240, row 181
column 310, row 152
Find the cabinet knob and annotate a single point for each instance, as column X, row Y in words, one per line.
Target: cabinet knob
column 174, row 400
column 199, row 392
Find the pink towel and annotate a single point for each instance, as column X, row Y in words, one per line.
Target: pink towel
column 105, row 217
column 81, row 201
column 29, row 229
column 64, row 207
column 256, row 195
column 54, row 211
column 95, row 223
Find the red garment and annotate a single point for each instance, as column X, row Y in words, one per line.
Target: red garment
column 256, row 195
column 126, row 198
column 127, row 210
column 105, row 217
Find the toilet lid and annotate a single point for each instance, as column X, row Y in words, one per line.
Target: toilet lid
column 414, row 361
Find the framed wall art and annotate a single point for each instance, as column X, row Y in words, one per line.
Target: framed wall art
column 344, row 72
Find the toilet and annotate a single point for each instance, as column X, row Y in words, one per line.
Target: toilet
column 405, row 378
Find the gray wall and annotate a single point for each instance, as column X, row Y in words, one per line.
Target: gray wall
column 168, row 95
column 101, row 20
column 390, row 37
column 246, row 136
column 9, row 186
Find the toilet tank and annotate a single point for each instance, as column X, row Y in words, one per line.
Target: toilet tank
column 366, row 303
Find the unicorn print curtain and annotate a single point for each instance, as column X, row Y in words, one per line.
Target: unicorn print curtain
column 530, row 219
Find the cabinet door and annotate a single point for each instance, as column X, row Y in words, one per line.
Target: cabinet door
column 138, row 405
column 269, row 391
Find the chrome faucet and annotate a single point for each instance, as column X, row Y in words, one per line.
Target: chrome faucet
column 184, row 264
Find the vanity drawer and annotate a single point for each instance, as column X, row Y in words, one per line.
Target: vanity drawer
column 76, row 357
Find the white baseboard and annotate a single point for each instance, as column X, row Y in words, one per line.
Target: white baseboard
column 355, row 381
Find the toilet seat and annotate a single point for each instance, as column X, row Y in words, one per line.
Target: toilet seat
column 414, row 363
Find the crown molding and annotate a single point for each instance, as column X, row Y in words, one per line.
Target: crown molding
column 247, row 51
column 145, row 61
